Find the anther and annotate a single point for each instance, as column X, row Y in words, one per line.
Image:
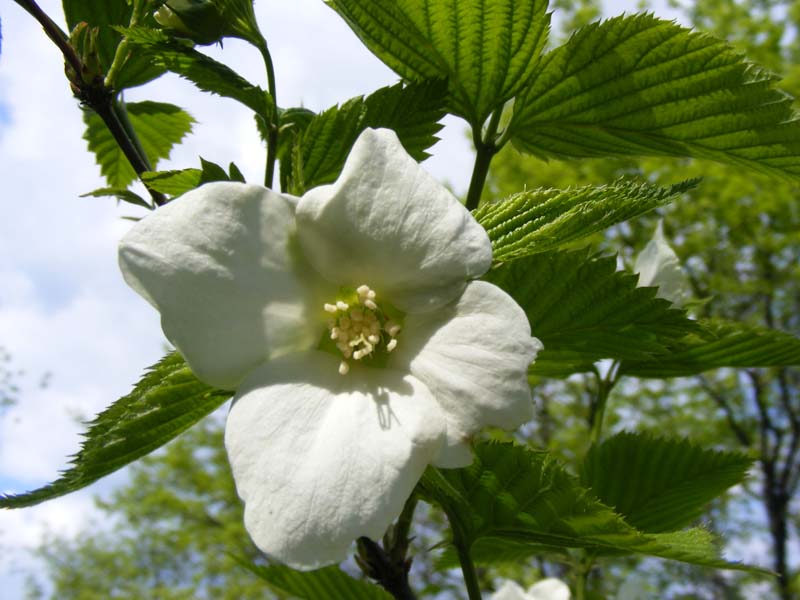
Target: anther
column 343, row 368
column 331, row 308
column 391, row 345
column 342, row 305
column 370, row 304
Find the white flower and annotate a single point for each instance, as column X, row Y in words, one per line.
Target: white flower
column 348, row 323
column 546, row 589
column 658, row 265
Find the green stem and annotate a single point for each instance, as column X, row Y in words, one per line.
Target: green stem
column 467, row 566
column 272, row 135
column 111, row 113
column 403, row 525
column 483, row 159
column 125, row 122
column 121, row 54
column 580, row 585
column 604, row 387
column 485, row 149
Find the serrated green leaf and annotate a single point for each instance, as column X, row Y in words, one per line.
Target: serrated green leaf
column 413, row 111
column 637, row 85
column 137, row 69
column 720, row 344
column 205, row 72
column 659, row 485
column 486, row 50
column 330, row 583
column 234, row 174
column 584, row 310
column 545, row 219
column 120, row 194
column 211, row 171
column 167, row 401
column 159, row 127
column 514, row 493
column 173, row 183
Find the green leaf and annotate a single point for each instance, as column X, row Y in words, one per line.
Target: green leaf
column 205, row 72
column 137, row 69
column 173, row 183
column 514, row 493
column 330, row 583
column 656, row 484
column 719, row 344
column 486, row 50
column 159, row 127
column 637, row 85
column 167, row 401
column 211, row 171
column 120, row 194
column 412, row 111
column 545, row 219
column 234, row 174
column 584, row 310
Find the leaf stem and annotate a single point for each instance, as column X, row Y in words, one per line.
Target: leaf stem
column 485, row 149
column 272, row 135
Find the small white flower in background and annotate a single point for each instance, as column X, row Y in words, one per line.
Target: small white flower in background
column 348, row 322
column 658, row 265
column 546, row 589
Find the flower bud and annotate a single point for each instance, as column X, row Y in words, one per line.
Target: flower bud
column 83, row 40
column 208, row 21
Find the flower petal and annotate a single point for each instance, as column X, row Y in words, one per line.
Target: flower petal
column 389, row 224
column 321, row 459
column 216, row 264
column 510, row 590
column 549, row 589
column 658, row 265
column 473, row 355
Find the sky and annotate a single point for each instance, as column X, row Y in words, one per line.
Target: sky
column 66, row 316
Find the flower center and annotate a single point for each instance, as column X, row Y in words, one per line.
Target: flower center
column 360, row 328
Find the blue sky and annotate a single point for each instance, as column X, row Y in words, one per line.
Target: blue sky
column 63, row 306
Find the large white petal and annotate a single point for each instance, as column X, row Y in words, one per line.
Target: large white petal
column 549, row 589
column 218, row 266
column 321, row 459
column 389, row 224
column 473, row 355
column 658, row 265
column 510, row 590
